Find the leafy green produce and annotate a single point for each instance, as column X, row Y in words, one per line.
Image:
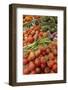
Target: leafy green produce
column 34, row 46
column 45, row 28
column 48, row 23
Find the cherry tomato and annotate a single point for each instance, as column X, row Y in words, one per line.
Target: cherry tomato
column 51, row 56
column 46, row 70
column 31, row 66
column 54, row 67
column 32, row 32
column 30, row 39
column 38, row 70
column 25, row 61
column 37, row 62
column 47, row 50
column 42, row 60
column 55, row 61
column 43, row 66
column 33, row 72
column 43, row 53
column 26, row 70
column 50, row 63
column 42, row 48
column 37, row 28
column 54, row 51
column 40, row 33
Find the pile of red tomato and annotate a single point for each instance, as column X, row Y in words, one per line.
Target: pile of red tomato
column 43, row 60
column 33, row 33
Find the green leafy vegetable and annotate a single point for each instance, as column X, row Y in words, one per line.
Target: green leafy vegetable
column 48, row 23
column 34, row 46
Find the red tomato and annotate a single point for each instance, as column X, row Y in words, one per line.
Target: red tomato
column 46, row 70
column 55, row 60
column 37, row 62
column 30, row 39
column 33, row 72
column 37, row 28
column 47, row 50
column 40, row 33
column 38, row 70
column 31, row 66
column 43, row 66
column 32, row 32
column 26, row 70
column 42, row 49
column 54, row 52
column 43, row 53
column 51, row 56
column 54, row 67
column 25, row 61
column 42, row 60
column 50, row 63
